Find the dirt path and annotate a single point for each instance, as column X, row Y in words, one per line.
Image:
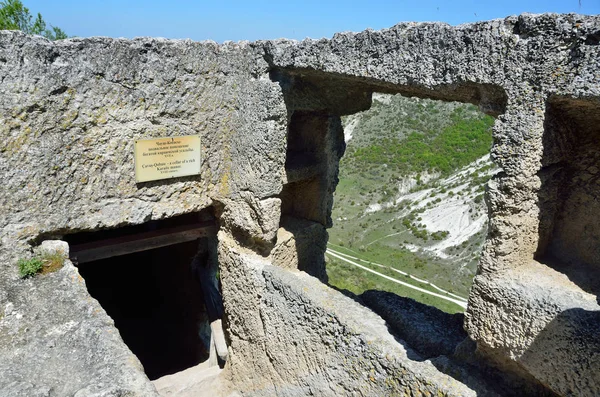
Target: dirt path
column 459, row 301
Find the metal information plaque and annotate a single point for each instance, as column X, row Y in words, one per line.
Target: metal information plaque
column 164, row 158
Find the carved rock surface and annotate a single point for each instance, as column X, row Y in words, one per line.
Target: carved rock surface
column 69, row 114
column 314, row 340
column 268, row 116
column 55, row 340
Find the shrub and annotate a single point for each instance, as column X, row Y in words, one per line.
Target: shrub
column 29, row 267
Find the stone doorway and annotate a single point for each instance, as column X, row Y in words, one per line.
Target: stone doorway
column 141, row 276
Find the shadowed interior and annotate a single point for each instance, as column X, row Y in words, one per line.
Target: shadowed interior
column 569, row 197
column 152, row 295
column 156, row 304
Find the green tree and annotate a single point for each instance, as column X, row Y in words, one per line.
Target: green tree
column 15, row 16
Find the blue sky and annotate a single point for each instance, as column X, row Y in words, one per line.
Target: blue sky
column 260, row 19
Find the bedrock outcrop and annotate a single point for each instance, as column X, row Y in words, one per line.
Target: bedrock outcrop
column 268, row 114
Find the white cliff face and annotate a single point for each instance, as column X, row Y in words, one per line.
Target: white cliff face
column 411, row 182
column 462, row 214
column 455, row 205
column 349, row 128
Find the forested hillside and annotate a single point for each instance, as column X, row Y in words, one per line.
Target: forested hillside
column 410, row 199
column 15, row 16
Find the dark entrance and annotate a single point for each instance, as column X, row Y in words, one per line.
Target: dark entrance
column 152, row 295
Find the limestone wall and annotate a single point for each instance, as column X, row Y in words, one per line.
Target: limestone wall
column 69, row 114
column 268, row 116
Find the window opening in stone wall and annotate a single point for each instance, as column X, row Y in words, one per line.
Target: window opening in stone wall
column 142, row 276
column 306, row 197
column 569, row 199
column 409, row 215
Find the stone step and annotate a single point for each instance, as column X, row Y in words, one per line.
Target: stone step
column 198, row 381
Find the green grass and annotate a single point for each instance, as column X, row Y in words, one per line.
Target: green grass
column 426, row 267
column 347, row 277
column 46, row 262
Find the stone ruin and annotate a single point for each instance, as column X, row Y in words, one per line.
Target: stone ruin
column 268, row 114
